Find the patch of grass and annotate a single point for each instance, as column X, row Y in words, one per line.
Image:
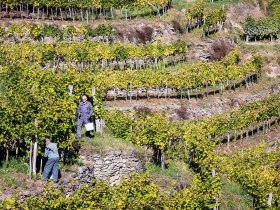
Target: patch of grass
column 197, row 32
column 263, row 84
column 174, row 169
column 106, row 142
column 182, row 4
column 224, row 2
column 260, row 46
column 71, row 165
column 11, row 181
column 14, row 165
column 177, row 175
column 234, row 197
column 12, row 172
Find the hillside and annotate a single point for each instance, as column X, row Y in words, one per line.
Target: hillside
column 185, row 101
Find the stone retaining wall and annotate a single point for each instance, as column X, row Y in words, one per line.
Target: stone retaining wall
column 111, row 166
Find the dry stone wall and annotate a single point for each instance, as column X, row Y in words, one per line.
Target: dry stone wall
column 111, row 166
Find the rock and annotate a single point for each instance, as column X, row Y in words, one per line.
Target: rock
column 107, row 162
column 111, row 166
column 99, row 162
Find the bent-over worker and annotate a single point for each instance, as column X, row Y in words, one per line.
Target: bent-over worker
column 51, row 152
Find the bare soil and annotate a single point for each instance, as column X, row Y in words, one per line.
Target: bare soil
column 139, row 31
column 237, row 14
column 185, row 109
column 23, row 186
column 271, row 139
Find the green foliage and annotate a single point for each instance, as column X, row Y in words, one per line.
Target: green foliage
column 138, row 192
column 275, row 9
column 14, row 165
column 186, row 76
column 10, row 172
column 152, row 130
column 101, row 143
column 36, row 95
column 257, row 171
column 41, row 31
column 196, row 11
column 50, row 31
column 119, row 126
column 233, row 196
column 84, row 51
column 264, row 28
column 156, row 131
column 214, row 16
column 2, row 32
column 101, row 30
column 69, row 32
column 198, row 15
column 84, row 6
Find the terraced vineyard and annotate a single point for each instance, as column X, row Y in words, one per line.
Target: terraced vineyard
column 52, row 53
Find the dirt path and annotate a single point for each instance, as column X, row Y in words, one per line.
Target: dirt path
column 184, row 109
column 24, row 186
column 271, row 139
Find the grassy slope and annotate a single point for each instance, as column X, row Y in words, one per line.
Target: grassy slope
column 7, row 170
column 234, row 197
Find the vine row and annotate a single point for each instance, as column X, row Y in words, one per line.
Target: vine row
column 93, row 55
column 40, row 32
column 257, row 170
column 82, row 10
column 211, row 20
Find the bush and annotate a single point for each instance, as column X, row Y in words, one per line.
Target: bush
column 219, row 49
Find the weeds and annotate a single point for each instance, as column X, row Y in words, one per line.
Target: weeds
column 105, row 142
column 175, row 169
column 14, row 165
column 12, row 173
column 234, row 197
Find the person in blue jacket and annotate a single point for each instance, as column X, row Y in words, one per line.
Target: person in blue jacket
column 51, row 152
column 84, row 114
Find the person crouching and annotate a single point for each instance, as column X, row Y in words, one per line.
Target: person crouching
column 51, row 152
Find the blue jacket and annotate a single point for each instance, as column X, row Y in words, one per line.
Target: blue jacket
column 85, row 110
column 51, row 151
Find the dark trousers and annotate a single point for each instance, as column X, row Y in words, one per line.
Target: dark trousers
column 51, row 166
column 81, row 121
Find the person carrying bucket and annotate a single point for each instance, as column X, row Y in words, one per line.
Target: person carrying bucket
column 84, row 114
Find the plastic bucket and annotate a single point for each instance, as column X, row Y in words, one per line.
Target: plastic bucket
column 89, row 126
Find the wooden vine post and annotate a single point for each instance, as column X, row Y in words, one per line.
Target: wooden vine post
column 93, row 93
column 41, row 165
column 35, row 148
column 7, row 154
column 30, row 159
column 71, row 87
column 166, row 91
column 130, row 91
column 34, row 159
column 269, row 201
column 162, row 160
column 98, row 122
column 228, row 140
column 17, row 150
column 126, row 16
column 213, row 171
